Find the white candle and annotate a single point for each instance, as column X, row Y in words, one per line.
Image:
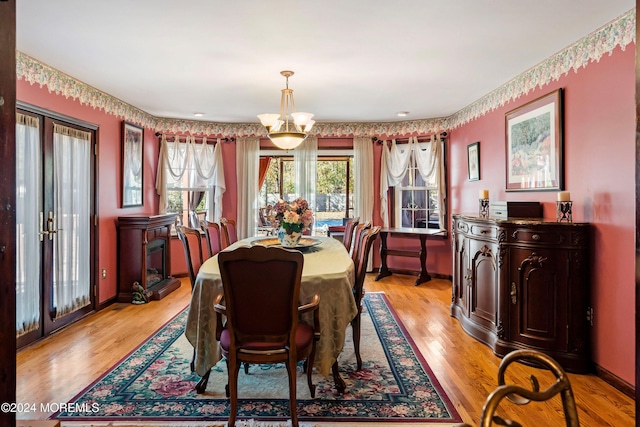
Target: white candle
column 484, row 194
column 564, row 196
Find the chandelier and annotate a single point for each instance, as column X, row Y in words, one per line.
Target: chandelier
column 280, row 131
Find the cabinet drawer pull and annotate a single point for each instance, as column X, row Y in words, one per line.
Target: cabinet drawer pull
column 535, row 237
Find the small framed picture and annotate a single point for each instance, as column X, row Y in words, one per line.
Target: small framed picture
column 473, row 161
column 132, row 141
column 534, row 145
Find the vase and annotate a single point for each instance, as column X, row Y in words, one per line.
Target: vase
column 289, row 239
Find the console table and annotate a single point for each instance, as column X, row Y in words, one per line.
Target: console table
column 421, row 233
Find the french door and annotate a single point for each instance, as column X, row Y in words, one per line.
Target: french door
column 54, row 227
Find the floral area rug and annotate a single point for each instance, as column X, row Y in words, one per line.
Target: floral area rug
column 154, row 383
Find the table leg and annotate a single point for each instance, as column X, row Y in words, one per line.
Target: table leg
column 424, row 274
column 341, row 386
column 384, row 270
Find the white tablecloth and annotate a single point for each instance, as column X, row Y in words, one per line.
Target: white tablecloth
column 328, row 271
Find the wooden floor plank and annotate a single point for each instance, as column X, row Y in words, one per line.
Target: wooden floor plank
column 57, row 368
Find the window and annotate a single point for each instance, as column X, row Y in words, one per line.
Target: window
column 416, row 177
column 416, row 201
column 334, row 188
column 189, row 194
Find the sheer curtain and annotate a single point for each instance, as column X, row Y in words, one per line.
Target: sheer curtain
column 203, row 163
column 247, row 170
column 28, row 208
column 363, row 172
column 429, row 162
column 305, row 159
column 72, row 219
column 393, row 167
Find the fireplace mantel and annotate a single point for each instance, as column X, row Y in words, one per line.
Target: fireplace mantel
column 144, row 256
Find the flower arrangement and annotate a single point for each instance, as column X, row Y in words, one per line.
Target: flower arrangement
column 294, row 217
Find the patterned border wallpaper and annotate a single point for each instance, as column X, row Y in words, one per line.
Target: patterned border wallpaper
column 620, row 32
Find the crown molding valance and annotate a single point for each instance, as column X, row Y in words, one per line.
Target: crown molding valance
column 620, row 32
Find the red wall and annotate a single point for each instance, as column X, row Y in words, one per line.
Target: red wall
column 599, row 149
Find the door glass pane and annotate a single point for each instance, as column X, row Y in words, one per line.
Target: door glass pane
column 28, row 209
column 71, row 223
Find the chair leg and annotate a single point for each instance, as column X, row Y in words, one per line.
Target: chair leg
column 233, row 368
column 355, row 326
column 202, row 384
column 309, row 370
column 291, row 372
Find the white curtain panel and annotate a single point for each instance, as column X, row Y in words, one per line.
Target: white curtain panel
column 429, row 161
column 28, row 209
column 363, row 178
column 72, row 213
column 247, row 170
column 393, row 167
column 305, row 158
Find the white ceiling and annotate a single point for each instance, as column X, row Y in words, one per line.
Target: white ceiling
column 354, row 61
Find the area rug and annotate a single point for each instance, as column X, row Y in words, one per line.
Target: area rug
column 154, row 385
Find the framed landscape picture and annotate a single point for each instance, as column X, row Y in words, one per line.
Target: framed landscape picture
column 473, row 161
column 534, row 148
column 132, row 142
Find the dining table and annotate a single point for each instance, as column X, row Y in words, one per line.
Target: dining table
column 328, row 271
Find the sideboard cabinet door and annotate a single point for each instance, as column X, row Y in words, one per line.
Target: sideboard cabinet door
column 538, row 298
column 484, row 282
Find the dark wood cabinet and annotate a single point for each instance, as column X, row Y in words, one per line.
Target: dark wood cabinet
column 524, row 283
column 144, row 256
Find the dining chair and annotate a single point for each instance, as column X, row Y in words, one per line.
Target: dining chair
column 261, row 295
column 229, row 232
column 212, row 233
column 192, row 244
column 349, row 228
column 367, row 238
column 357, row 233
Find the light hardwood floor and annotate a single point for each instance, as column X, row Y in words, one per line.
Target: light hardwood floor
column 57, row 368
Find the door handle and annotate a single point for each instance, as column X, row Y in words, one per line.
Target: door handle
column 51, row 229
column 42, row 232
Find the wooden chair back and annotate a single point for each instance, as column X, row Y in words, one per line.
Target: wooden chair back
column 261, row 297
column 366, row 240
column 349, row 228
column 357, row 234
column 229, row 232
column 212, row 233
column 192, row 244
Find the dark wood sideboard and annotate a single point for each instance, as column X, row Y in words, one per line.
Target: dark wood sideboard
column 144, row 256
column 524, row 284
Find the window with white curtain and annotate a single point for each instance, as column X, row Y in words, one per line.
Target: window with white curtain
column 415, row 172
column 192, row 180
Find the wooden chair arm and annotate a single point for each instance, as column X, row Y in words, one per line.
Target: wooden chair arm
column 313, row 306
column 220, row 310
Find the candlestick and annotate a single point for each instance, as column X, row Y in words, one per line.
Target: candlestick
column 563, row 211
column 484, row 208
